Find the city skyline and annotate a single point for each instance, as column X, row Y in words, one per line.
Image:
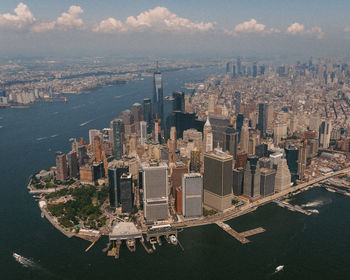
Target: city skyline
column 164, row 28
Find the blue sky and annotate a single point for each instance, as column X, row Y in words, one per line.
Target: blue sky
column 218, row 27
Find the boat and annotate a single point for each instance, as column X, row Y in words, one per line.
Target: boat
column 330, row 190
column 314, row 211
column 173, row 239
column 22, row 260
column 279, row 268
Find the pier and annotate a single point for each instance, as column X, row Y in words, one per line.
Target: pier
column 241, row 237
column 294, row 208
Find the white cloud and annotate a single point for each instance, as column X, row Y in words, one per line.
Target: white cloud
column 295, row 28
column 298, row 28
column 22, row 17
column 159, row 19
column 110, row 25
column 250, row 26
column 67, row 20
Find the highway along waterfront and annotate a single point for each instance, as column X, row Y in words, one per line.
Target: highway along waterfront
column 28, row 142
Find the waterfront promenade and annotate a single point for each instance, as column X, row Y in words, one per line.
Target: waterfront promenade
column 251, row 206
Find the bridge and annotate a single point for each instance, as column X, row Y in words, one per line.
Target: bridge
column 249, row 207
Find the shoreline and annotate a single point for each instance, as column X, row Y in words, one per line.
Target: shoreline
column 227, row 215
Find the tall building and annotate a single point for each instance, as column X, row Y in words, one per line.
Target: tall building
column 137, row 112
column 155, row 185
column 117, row 137
column 267, row 181
column 238, row 174
column 179, row 101
column 176, row 176
column 244, row 140
column 302, row 161
column 219, row 124
column 255, row 69
column 292, row 161
column 115, row 170
column 237, row 102
column 126, row 195
column 251, row 181
column 211, row 104
column 168, row 115
column 283, row 177
column 72, row 161
column 158, row 96
column 195, row 164
column 262, row 120
column 231, row 141
column 192, row 195
column 92, row 134
column 325, row 133
column 147, row 114
column 207, row 137
column 61, row 167
column 82, row 155
column 217, row 180
column 143, row 132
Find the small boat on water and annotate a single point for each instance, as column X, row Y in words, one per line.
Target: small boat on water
column 279, row 268
column 173, row 239
column 130, row 243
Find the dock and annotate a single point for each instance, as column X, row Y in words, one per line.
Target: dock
column 293, row 208
column 241, row 237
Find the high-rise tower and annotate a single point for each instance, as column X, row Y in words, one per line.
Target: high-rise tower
column 158, row 109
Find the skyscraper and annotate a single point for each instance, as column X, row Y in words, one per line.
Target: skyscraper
column 115, row 170
column 218, row 180
column 231, row 141
column 126, row 196
column 251, row 183
column 195, row 160
column 244, row 140
column 207, row 137
column 117, row 137
column 179, row 101
column 192, row 195
column 267, row 181
column 137, row 112
column 61, row 167
column 72, row 161
column 283, row 177
column 143, row 132
column 325, row 133
column 155, row 185
column 158, row 109
column 147, row 114
column 262, row 121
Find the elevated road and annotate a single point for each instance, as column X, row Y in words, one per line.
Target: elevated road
column 251, row 206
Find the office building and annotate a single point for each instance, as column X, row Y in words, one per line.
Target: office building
column 176, row 176
column 218, row 124
column 115, row 170
column 262, row 120
column 207, row 137
column 143, row 132
column 231, row 141
column 217, row 180
column 195, row 164
column 147, row 114
column 267, row 181
column 158, row 96
column 72, row 162
column 192, row 195
column 237, row 175
column 61, row 167
column 155, row 185
column 283, row 177
column 179, row 101
column 117, row 138
column 251, row 181
column 126, row 194
column 325, row 133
